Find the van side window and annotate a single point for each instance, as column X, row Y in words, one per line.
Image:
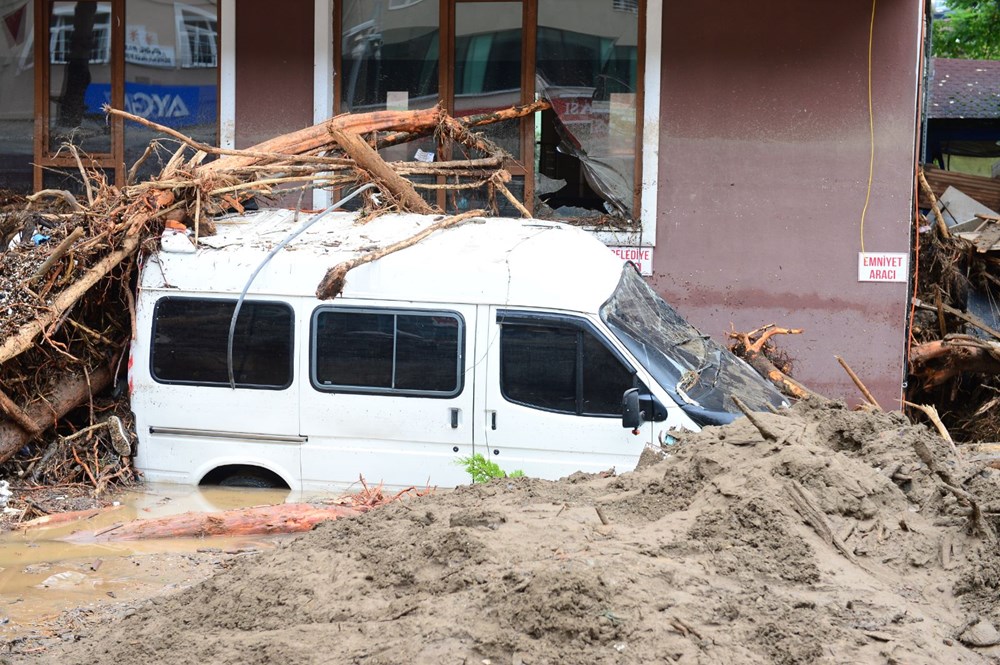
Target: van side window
column 190, row 337
column 561, row 368
column 387, row 351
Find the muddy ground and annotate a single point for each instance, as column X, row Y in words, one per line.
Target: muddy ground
column 833, row 544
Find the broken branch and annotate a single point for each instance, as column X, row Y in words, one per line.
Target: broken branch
column 857, row 382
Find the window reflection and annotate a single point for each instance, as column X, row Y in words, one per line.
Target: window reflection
column 390, row 60
column 488, row 65
column 80, row 73
column 171, row 73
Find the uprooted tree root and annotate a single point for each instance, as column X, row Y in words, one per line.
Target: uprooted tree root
column 953, row 358
column 775, row 365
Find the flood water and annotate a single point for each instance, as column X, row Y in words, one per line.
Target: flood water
column 42, row 575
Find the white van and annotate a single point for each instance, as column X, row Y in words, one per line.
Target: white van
column 515, row 339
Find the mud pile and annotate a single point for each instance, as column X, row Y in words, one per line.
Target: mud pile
column 834, row 543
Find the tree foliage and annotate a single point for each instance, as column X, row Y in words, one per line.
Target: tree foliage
column 970, row 29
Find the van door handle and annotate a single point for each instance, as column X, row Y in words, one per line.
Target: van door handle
column 454, row 418
column 493, row 420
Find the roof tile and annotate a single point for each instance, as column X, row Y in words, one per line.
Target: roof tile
column 964, row 88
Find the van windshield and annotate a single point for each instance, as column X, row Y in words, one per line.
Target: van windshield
column 698, row 373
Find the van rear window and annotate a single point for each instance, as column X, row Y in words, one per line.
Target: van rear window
column 190, row 338
column 386, row 351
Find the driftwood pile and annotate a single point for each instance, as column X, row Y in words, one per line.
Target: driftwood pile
column 67, row 264
column 954, row 356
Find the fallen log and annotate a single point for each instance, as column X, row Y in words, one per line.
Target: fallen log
column 390, row 182
column 69, row 392
column 468, row 121
column 318, row 138
column 256, row 521
column 935, row 363
column 60, row 519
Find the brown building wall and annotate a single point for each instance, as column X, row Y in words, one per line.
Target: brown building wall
column 764, row 154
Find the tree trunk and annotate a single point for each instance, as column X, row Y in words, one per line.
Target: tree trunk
column 936, row 362
column 390, row 182
column 318, row 137
column 256, row 521
column 70, row 392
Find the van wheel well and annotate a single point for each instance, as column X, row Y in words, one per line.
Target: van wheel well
column 244, row 475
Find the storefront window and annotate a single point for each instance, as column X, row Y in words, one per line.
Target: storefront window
column 488, row 65
column 585, row 63
column 587, row 67
column 390, row 58
column 171, row 73
column 389, row 55
column 79, row 70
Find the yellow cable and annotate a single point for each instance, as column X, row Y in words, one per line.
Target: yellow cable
column 871, row 129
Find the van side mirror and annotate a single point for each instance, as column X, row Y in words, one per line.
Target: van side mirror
column 632, row 416
column 638, row 408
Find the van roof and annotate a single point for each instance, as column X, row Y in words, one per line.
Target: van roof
column 500, row 261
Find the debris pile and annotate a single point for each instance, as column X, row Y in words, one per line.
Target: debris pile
column 836, row 536
column 67, row 262
column 955, row 320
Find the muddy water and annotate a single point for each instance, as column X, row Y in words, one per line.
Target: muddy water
column 42, row 575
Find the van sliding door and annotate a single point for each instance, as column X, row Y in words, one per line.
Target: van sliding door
column 389, row 396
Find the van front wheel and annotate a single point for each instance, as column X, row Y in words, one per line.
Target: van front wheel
column 244, row 475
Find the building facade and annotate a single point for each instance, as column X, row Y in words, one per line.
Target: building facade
column 750, row 155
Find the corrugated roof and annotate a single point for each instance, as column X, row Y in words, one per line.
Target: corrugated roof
column 964, row 88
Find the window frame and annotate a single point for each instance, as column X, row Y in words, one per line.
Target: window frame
column 644, row 210
column 377, row 390
column 581, row 326
column 225, row 384
column 112, row 161
column 44, row 156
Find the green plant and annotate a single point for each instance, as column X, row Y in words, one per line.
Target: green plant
column 483, row 470
column 969, row 29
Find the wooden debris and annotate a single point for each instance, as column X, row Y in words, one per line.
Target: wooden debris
column 857, row 382
column 762, row 426
column 978, row 520
column 754, row 348
column 925, row 188
column 932, row 415
column 937, row 362
column 255, row 521
column 805, row 505
column 69, row 392
column 371, row 165
column 60, row 519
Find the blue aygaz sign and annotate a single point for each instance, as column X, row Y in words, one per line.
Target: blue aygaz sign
column 174, row 106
